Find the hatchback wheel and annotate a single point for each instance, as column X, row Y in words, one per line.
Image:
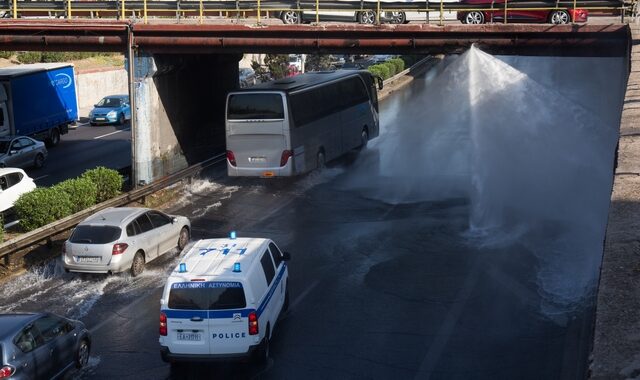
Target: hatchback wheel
column 137, row 266
column 121, row 119
column 364, row 139
column 474, row 17
column 559, row 17
column 183, row 239
column 290, row 17
column 321, row 160
column 82, row 355
column 367, row 17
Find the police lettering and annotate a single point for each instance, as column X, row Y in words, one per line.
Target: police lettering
column 229, row 335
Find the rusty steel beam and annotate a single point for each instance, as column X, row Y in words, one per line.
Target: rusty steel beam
column 89, row 35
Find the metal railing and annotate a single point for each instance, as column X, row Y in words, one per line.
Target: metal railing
column 143, row 9
column 45, row 233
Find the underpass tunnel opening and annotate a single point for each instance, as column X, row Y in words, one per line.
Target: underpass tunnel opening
column 180, row 101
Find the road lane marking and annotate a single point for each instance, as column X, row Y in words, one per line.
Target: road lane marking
column 304, row 294
column 41, row 177
column 112, row 133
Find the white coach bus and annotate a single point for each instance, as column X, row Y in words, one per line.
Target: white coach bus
column 296, row 124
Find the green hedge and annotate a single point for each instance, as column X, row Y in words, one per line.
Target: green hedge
column 42, row 206
column 391, row 67
column 380, row 70
column 399, row 63
column 82, row 191
column 108, row 181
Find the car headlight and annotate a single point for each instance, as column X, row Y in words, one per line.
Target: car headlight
column 112, row 114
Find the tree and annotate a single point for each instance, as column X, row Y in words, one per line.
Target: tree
column 318, row 62
column 276, row 66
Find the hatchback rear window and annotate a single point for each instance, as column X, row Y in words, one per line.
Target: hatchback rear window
column 95, row 234
column 255, row 106
column 206, row 296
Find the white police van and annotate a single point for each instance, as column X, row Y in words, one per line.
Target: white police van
column 222, row 301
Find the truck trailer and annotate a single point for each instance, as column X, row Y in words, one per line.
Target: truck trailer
column 38, row 100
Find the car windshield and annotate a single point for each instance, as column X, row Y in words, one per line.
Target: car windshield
column 95, row 234
column 4, row 146
column 110, row 102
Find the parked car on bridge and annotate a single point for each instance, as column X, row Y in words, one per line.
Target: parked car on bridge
column 114, row 109
column 41, row 345
column 13, row 183
column 22, row 152
column 552, row 16
column 123, row 238
column 367, row 16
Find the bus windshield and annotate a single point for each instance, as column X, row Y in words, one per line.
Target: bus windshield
column 255, row 106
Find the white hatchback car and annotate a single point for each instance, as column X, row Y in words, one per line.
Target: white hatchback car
column 123, row 238
column 13, row 183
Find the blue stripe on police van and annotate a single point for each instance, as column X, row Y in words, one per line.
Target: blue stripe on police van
column 274, row 286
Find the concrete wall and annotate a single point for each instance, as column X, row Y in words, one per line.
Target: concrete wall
column 93, row 85
column 179, row 107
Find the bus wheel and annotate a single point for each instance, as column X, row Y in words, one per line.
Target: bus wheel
column 321, row 160
column 364, row 139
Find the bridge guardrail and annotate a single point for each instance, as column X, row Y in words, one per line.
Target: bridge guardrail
column 47, row 232
column 193, row 8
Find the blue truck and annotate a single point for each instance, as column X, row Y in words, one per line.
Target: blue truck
column 38, row 100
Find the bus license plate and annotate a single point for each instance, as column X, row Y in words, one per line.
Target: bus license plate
column 192, row 337
column 88, row 259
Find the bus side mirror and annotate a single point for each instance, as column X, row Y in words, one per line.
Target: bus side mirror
column 286, row 256
column 380, row 83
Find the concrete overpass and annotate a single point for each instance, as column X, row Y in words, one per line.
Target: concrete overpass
column 179, row 74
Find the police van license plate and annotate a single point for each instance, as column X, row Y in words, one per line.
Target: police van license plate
column 88, row 259
column 189, row 336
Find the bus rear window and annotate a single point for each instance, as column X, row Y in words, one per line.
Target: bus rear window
column 255, row 106
column 206, row 296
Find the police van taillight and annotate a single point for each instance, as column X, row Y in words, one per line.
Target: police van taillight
column 163, row 324
column 6, row 372
column 253, row 323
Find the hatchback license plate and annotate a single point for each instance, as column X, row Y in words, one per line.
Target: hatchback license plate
column 190, row 336
column 88, row 259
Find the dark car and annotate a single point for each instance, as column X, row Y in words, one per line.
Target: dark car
column 41, row 345
column 552, row 16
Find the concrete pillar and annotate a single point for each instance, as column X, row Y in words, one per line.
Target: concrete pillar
column 179, row 109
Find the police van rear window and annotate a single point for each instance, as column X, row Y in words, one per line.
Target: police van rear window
column 211, row 295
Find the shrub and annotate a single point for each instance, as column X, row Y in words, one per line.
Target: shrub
column 42, row 206
column 82, row 191
column 391, row 67
column 6, row 54
column 381, row 70
column 399, row 63
column 108, row 181
column 52, row 56
column 29, row 56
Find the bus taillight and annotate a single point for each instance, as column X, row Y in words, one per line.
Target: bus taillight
column 286, row 154
column 231, row 158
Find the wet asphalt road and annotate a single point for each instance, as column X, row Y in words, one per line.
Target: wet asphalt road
column 378, row 290
column 83, row 148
